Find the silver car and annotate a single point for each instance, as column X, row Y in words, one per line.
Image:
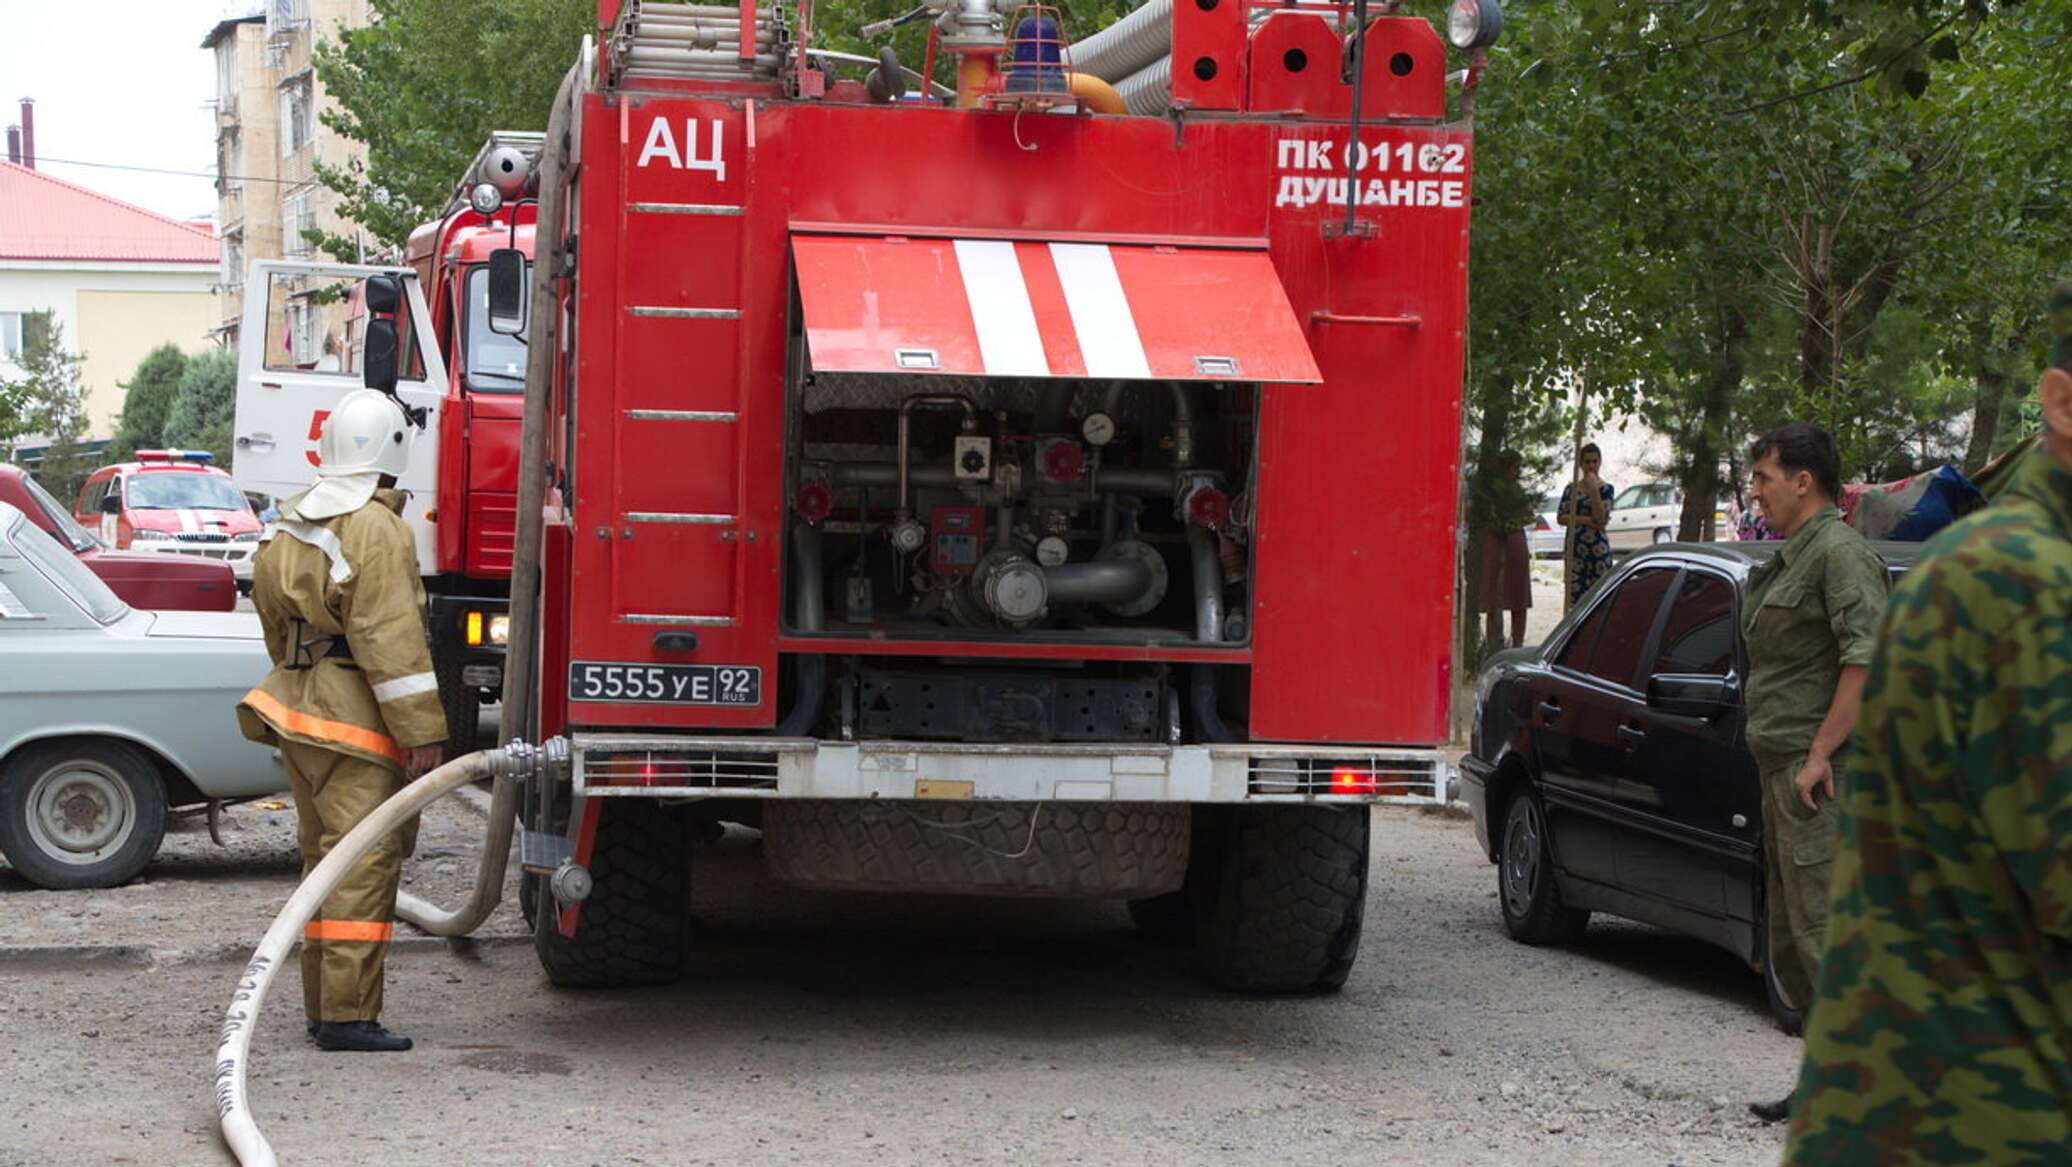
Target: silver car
column 110, row 717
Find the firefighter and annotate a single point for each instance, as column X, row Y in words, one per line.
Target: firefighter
column 352, row 702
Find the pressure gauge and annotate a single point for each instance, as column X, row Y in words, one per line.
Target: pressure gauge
column 1098, row 429
column 1053, row 551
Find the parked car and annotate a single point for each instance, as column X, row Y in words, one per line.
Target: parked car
column 1544, row 537
column 1607, row 770
column 111, row 716
column 172, row 501
column 141, row 580
column 1648, row 513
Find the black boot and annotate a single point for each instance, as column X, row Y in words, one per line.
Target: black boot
column 360, row 1036
column 1776, row 1111
column 312, row 1030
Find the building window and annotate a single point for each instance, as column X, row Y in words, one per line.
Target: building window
column 233, row 261
column 226, row 72
column 286, row 14
column 298, row 119
column 11, row 336
column 298, row 215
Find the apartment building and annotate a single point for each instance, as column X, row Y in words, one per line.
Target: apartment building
column 269, row 139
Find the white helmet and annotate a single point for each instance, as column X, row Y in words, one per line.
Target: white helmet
column 366, row 434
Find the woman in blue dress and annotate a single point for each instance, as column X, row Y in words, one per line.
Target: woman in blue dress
column 1585, row 508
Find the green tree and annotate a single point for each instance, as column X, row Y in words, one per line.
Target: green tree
column 147, row 398
column 424, row 85
column 200, row 415
column 48, row 400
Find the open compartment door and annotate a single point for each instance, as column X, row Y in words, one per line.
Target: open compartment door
column 1002, row 308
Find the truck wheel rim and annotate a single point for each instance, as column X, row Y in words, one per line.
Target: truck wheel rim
column 1522, row 859
column 80, row 812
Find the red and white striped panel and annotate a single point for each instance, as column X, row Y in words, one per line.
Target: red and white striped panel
column 991, row 307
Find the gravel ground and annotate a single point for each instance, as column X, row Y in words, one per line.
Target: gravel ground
column 856, row 1029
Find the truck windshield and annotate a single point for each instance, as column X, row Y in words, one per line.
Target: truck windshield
column 496, row 363
column 63, row 525
column 177, row 491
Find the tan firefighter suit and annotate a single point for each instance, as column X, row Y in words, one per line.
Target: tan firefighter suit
column 351, row 692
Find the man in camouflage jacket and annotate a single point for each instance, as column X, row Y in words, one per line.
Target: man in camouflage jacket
column 1942, row 1031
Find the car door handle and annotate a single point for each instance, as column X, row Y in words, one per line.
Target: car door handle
column 257, row 443
column 1551, row 710
column 1632, row 735
column 269, row 384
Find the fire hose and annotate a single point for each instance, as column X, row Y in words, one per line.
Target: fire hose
column 507, row 764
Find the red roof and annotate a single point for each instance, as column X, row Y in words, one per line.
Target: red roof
column 49, row 218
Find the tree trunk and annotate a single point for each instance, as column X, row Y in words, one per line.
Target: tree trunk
column 1727, row 362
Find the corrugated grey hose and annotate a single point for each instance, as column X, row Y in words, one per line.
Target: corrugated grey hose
column 1148, row 92
column 1128, row 45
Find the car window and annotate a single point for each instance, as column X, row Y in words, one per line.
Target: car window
column 180, row 490
column 1629, row 497
column 1662, row 496
column 1629, row 615
column 64, row 570
column 1699, row 635
column 67, row 526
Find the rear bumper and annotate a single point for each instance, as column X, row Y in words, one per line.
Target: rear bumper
column 669, row 766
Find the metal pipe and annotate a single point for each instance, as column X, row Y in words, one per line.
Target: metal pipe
column 1109, row 479
column 1183, row 419
column 811, row 607
column 1208, row 584
column 682, row 11
column 1105, row 581
column 906, row 413
column 692, row 58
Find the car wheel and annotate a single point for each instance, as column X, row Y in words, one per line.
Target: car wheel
column 1664, row 535
column 1790, row 1016
column 80, row 813
column 1533, row 911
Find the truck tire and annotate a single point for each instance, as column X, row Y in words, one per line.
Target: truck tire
column 80, row 813
column 1280, row 909
column 631, row 930
column 463, row 707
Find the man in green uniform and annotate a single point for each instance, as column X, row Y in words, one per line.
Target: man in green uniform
column 1810, row 620
column 1943, row 1031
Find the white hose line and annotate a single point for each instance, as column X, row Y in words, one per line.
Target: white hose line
column 489, row 875
column 233, row 1049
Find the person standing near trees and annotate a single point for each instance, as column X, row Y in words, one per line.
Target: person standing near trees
column 1943, row 1029
column 1586, row 506
column 1810, row 618
column 1506, row 568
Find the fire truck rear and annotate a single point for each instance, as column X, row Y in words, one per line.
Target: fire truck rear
column 1045, row 488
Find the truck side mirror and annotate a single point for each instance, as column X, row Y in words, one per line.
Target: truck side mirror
column 378, row 361
column 384, row 295
column 111, row 504
column 507, row 291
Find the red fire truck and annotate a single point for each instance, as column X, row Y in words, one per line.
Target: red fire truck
column 1046, row 488
column 300, row 350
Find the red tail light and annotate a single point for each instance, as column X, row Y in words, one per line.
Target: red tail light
column 1540, row 524
column 1352, row 780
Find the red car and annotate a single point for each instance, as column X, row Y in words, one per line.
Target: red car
column 142, row 579
column 171, row 502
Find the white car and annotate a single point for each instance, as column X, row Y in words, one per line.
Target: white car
column 1649, row 512
column 110, row 716
column 1545, row 537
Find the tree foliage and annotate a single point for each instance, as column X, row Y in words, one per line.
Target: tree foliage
column 203, row 407
column 48, row 400
column 147, row 398
column 424, row 85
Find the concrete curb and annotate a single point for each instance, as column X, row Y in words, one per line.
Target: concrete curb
column 64, row 957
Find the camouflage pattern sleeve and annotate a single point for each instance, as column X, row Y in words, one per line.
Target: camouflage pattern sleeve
column 1942, row 1029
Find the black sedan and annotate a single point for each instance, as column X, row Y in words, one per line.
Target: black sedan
column 1607, row 771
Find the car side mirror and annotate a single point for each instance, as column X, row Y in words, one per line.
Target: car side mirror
column 384, row 295
column 1693, row 696
column 112, row 504
column 507, row 291
column 378, row 361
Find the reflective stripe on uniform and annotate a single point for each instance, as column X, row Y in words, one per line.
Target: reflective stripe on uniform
column 323, row 539
column 371, row 930
column 321, row 729
column 410, row 686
